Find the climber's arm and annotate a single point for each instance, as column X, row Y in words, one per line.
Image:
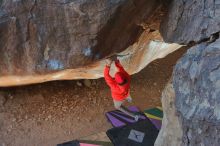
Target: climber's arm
column 121, row 68
column 109, row 80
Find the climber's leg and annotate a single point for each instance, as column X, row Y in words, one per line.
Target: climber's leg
column 118, row 105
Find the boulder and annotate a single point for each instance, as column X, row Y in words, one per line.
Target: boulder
column 45, row 36
column 132, row 59
column 44, row 40
column 192, row 115
column 171, row 132
column 191, row 21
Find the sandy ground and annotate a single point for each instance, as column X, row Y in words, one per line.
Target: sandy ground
column 54, row 112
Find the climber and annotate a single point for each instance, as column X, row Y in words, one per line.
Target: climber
column 120, row 86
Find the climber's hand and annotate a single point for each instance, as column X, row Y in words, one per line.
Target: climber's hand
column 114, row 58
column 109, row 62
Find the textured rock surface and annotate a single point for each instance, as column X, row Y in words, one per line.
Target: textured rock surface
column 43, row 36
column 196, row 78
column 191, row 20
column 171, row 132
column 196, row 81
column 134, row 59
column 45, row 40
column 197, row 87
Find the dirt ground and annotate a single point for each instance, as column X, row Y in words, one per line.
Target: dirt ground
column 54, row 112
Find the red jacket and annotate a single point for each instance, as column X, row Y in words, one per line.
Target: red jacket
column 118, row 92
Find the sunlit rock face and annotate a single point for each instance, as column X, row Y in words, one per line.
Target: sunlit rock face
column 171, row 132
column 44, row 40
column 133, row 60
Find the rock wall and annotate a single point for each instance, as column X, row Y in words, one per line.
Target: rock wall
column 191, row 21
column 134, row 59
column 191, row 106
column 197, row 86
column 44, row 40
column 196, row 82
column 171, row 132
column 43, row 36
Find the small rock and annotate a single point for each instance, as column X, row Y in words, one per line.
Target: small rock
column 19, row 120
column 10, row 96
column 26, row 117
column 94, row 82
column 64, row 109
column 78, row 83
column 54, row 102
column 155, row 84
column 68, row 132
column 37, row 98
column 9, row 128
column 49, row 117
column 14, row 120
column 95, row 101
column 39, row 123
column 2, row 100
column 87, row 83
column 65, row 100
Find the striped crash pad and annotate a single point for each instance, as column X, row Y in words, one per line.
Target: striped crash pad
column 155, row 115
column 118, row 118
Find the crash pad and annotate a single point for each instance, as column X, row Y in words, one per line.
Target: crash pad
column 95, row 143
column 155, row 115
column 118, row 118
column 70, row 143
column 141, row 133
column 85, row 143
